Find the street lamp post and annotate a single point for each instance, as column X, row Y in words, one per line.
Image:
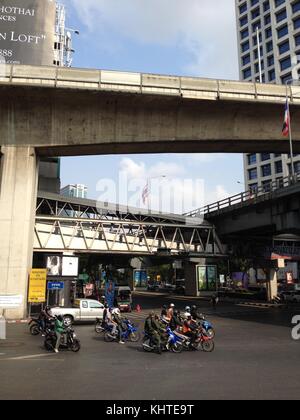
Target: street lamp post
column 287, row 83
column 259, row 55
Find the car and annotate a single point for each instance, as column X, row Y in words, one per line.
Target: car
column 82, row 310
column 152, row 287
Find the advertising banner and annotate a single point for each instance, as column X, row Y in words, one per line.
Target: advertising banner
column 27, row 30
column 37, row 286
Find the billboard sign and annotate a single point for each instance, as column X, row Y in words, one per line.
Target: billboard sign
column 37, row 286
column 27, row 30
column 59, row 285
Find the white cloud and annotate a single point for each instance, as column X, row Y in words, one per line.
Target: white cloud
column 139, row 170
column 204, row 28
column 218, row 194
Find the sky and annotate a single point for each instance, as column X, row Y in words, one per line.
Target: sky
column 178, row 37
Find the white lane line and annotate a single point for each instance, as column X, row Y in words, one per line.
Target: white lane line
column 33, row 356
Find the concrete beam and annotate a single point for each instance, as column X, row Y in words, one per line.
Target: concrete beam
column 71, row 121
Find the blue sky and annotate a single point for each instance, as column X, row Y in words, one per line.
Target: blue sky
column 195, row 38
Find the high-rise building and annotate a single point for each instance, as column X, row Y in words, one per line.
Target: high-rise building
column 269, row 47
column 74, row 190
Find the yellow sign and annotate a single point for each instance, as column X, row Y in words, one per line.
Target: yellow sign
column 37, row 286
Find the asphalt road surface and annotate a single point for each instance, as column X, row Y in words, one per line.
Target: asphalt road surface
column 255, row 358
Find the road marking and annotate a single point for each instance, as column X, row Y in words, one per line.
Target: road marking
column 33, row 356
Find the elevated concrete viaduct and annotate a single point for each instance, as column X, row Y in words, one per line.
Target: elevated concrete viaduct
column 46, row 111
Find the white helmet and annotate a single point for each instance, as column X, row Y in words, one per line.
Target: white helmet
column 188, row 309
column 116, row 311
column 187, row 315
column 172, row 305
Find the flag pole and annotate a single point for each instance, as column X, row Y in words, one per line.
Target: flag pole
column 290, row 131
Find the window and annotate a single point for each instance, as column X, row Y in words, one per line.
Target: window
column 281, row 16
column 278, row 167
column 267, row 19
column 265, row 156
column 266, row 6
column 270, row 60
column 281, row 32
column 257, row 67
column 244, row 21
column 266, row 185
column 268, row 33
column 256, row 25
column 272, row 75
column 284, row 47
column 297, row 23
column 252, row 174
column 246, row 59
column 95, row 305
column 297, row 40
column 269, row 46
column 253, row 188
column 247, row 73
column 243, row 8
column 254, row 2
column 252, row 159
column 255, row 13
column 286, row 78
column 244, row 33
column 285, row 64
column 279, row 2
column 245, row 46
column 296, row 7
column 266, row 170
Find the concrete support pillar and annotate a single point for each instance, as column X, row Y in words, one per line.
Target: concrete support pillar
column 18, row 194
column 190, row 274
column 272, row 286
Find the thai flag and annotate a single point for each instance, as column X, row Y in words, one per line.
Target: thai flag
column 146, row 192
column 287, row 120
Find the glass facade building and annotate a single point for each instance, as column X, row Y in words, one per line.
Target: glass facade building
column 277, row 24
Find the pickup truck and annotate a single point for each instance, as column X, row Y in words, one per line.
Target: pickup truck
column 82, row 310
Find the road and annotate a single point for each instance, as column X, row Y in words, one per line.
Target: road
column 255, row 358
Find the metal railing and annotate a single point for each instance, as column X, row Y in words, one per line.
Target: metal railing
column 186, row 87
column 248, row 197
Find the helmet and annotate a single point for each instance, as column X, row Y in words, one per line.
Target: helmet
column 172, row 305
column 176, row 312
column 187, row 309
column 187, row 315
column 116, row 311
column 106, row 306
column 194, row 307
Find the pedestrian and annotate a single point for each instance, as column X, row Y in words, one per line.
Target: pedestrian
column 214, row 301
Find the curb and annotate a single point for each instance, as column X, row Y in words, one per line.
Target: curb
column 262, row 305
column 18, row 321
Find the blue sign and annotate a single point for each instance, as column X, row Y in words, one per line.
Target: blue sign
column 58, row 285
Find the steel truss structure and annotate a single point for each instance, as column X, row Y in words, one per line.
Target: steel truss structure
column 77, row 225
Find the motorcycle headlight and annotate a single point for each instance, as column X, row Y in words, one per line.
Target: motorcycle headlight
column 74, row 335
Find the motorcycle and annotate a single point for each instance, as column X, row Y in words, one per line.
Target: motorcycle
column 71, row 342
column 98, row 326
column 202, row 341
column 129, row 333
column 208, row 327
column 173, row 344
column 37, row 326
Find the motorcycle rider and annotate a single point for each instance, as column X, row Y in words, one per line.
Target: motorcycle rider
column 175, row 321
column 59, row 331
column 152, row 329
column 104, row 319
column 117, row 318
column 189, row 328
column 170, row 312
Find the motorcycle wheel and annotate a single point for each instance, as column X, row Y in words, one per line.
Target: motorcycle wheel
column 49, row 344
column 147, row 348
column 176, row 347
column 34, row 330
column 98, row 328
column 135, row 337
column 211, row 333
column 75, row 346
column 109, row 338
column 208, row 346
